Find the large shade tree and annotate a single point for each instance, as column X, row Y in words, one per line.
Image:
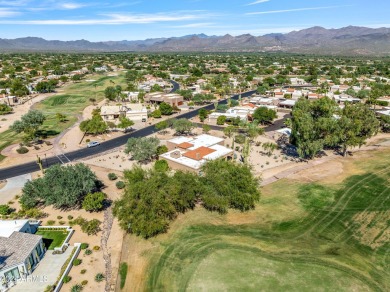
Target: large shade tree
column 62, row 187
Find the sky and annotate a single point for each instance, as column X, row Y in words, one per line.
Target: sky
column 105, row 20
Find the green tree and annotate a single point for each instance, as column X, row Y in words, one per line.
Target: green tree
column 94, row 202
column 203, row 114
column 183, row 126
column 161, row 126
column 356, row 125
column 221, row 120
column 264, row 115
column 231, row 184
column 161, row 149
column 62, row 186
column 110, row 93
column 125, row 123
column 165, row 109
column 5, row 109
column 94, row 126
column 161, row 165
column 29, row 124
column 142, row 149
column 156, row 114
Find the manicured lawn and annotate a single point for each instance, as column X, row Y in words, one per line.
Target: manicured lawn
column 301, row 237
column 72, row 100
column 52, row 238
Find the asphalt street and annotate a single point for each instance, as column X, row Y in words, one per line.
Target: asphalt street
column 109, row 145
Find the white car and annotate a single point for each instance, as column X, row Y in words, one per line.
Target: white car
column 93, row 144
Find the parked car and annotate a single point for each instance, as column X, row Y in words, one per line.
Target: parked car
column 93, row 144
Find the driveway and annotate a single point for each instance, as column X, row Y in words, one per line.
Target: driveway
column 45, row 274
column 13, row 187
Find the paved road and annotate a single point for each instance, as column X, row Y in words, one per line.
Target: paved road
column 21, row 169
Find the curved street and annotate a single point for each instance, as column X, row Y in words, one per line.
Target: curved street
column 104, row 147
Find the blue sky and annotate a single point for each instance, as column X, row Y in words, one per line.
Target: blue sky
column 103, row 20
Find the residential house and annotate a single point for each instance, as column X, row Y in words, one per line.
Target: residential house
column 173, row 99
column 190, row 154
column 20, row 251
column 132, row 111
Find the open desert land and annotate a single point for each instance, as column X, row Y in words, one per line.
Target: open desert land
column 70, row 100
column 308, row 231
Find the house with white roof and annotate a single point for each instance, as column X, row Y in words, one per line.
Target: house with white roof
column 20, row 251
column 190, row 154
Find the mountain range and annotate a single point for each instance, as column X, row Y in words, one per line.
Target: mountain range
column 351, row 40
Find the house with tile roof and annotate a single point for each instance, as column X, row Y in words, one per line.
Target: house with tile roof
column 20, row 251
column 190, row 154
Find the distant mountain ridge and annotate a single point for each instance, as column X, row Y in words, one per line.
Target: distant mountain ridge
column 351, row 40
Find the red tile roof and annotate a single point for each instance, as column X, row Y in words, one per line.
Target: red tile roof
column 198, row 153
column 185, row 145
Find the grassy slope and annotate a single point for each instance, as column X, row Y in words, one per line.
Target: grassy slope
column 289, row 235
column 71, row 102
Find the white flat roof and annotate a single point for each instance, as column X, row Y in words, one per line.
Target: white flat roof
column 201, row 140
column 385, row 112
column 288, row 102
column 220, row 151
column 7, row 227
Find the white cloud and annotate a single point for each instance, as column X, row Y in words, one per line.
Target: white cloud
column 5, row 12
column 257, row 2
column 14, row 3
column 294, row 10
column 112, row 19
column 71, row 5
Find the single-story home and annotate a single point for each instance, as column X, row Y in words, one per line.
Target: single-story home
column 190, row 154
column 132, row 111
column 20, row 251
column 173, row 99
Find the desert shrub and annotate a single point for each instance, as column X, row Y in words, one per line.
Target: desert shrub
column 99, row 277
column 77, row 262
column 49, row 288
column 221, row 120
column 84, row 282
column 51, row 222
column 61, row 222
column 96, row 248
column 88, row 252
column 161, row 165
column 83, row 271
column 32, row 213
column 112, row 176
column 240, row 139
column 84, row 245
column 70, row 217
column 94, row 202
column 67, row 279
column 5, row 210
column 120, row 185
column 59, row 217
column 91, row 227
column 76, row 288
column 22, row 150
